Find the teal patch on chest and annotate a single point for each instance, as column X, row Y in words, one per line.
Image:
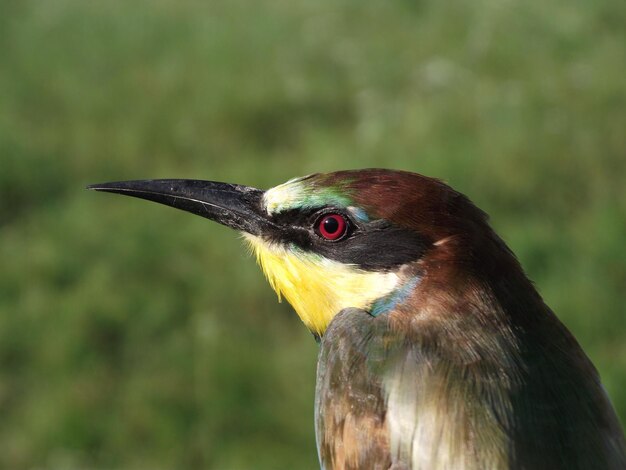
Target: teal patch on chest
column 390, row 301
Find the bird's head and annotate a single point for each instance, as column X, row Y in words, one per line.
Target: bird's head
column 332, row 241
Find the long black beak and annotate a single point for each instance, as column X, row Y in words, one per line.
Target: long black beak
column 238, row 207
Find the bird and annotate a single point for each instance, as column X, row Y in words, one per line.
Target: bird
column 436, row 352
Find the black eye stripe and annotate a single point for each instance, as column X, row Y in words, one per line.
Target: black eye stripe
column 374, row 245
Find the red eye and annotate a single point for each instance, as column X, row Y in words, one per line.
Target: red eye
column 332, row 226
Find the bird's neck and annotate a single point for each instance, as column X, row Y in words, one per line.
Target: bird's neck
column 497, row 370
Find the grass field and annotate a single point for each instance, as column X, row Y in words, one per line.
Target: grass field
column 136, row 337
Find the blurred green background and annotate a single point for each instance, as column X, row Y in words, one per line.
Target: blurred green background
column 133, row 336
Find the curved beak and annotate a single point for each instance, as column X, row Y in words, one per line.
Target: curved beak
column 236, row 206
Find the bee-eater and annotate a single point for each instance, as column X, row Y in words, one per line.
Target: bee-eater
column 436, row 351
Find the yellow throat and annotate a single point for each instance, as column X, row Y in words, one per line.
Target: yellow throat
column 316, row 287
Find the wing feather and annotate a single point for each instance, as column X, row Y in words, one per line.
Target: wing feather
column 423, row 401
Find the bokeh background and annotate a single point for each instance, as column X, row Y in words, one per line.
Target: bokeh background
column 133, row 336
